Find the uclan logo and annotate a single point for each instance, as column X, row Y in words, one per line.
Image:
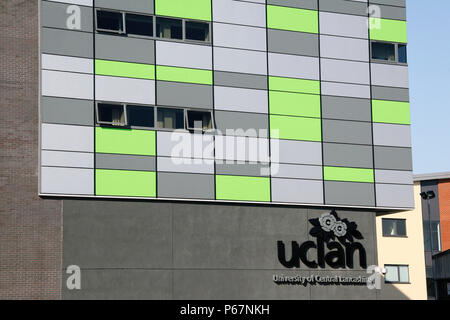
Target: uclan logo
column 340, row 253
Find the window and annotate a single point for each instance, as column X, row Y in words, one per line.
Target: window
column 110, row 21
column 112, row 114
column 170, row 118
column 390, row 52
column 394, row 227
column 435, row 235
column 199, row 120
column 169, row 28
column 197, row 31
column 139, row 116
column 139, row 24
column 397, row 274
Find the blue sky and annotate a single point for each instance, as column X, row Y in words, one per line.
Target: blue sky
column 429, row 73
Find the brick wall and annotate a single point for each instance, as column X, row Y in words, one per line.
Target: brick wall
column 30, row 227
column 444, row 205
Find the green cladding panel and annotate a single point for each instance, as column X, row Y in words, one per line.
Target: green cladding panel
column 124, row 69
column 388, row 30
column 242, row 188
column 391, row 112
column 125, row 141
column 189, row 9
column 292, row 19
column 348, row 174
column 296, row 128
column 125, row 183
column 294, row 104
column 186, row 75
column 294, row 85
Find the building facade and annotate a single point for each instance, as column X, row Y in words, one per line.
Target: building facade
column 216, row 148
column 436, row 219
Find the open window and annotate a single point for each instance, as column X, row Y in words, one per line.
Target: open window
column 389, row 52
column 139, row 24
column 198, row 31
column 169, row 28
column 199, row 120
column 169, row 118
column 402, row 55
column 111, row 114
column 110, row 21
column 140, row 116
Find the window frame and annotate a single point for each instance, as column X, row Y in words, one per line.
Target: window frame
column 396, row 62
column 142, row 106
column 124, row 31
column 199, row 110
column 394, row 236
column 105, row 123
column 154, row 18
column 170, row 129
column 397, row 266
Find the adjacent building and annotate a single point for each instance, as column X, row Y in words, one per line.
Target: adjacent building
column 209, row 149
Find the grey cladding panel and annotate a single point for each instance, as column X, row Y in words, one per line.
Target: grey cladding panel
column 139, row 6
column 349, row 193
column 344, row 7
column 393, row 158
column 290, row 42
column 125, row 162
column 303, row 4
column 243, row 169
column 67, row 42
column 55, row 15
column 347, row 132
column 389, row 93
column 67, row 111
column 184, row 95
column 118, row 48
column 347, row 155
column 240, row 80
column 250, row 123
column 390, row 12
column 185, row 185
column 346, row 108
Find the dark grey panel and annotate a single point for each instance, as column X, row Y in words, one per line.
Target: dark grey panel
column 67, row 111
column 304, row 4
column 67, row 42
column 290, row 42
column 347, row 132
column 393, row 158
column 141, row 6
column 237, row 285
column 349, row 193
column 346, row 108
column 184, row 95
column 240, row 80
column 235, row 237
column 344, row 6
column 55, row 15
column 390, row 12
column 243, row 169
column 125, row 162
column 389, row 93
column 399, row 3
column 121, row 284
column 185, row 185
column 116, row 234
column 113, row 47
column 250, row 123
column 347, row 155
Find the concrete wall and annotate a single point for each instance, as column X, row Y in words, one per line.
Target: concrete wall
column 405, row 251
column 161, row 250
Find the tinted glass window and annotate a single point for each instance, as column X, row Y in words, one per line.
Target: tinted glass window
column 107, row 20
column 197, row 31
column 199, row 120
column 170, row 118
column 111, row 114
column 394, row 227
column 169, row 28
column 139, row 25
column 402, row 54
column 141, row 116
column 383, row 51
